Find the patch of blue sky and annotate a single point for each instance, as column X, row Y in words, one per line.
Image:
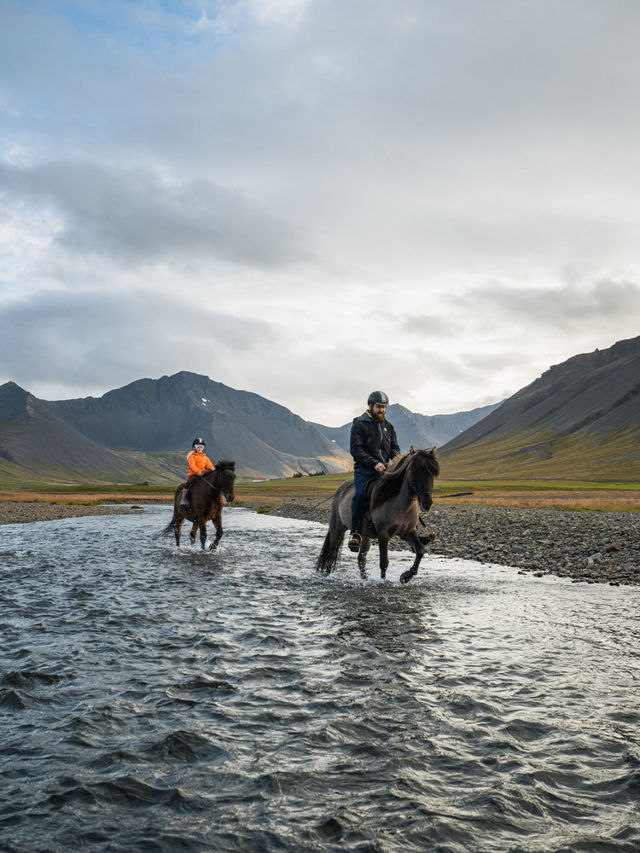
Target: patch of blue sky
column 153, row 25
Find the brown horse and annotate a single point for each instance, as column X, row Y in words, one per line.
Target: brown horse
column 208, row 495
column 394, row 510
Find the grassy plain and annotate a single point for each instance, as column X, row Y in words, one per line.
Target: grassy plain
column 558, row 494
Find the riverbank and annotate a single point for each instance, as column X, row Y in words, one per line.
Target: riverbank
column 592, row 547
column 24, row 512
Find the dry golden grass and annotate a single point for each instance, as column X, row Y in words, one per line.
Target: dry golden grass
column 554, row 495
column 587, row 496
column 90, row 498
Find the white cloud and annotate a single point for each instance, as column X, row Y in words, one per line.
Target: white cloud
column 90, row 339
column 289, row 13
column 435, row 198
column 135, row 215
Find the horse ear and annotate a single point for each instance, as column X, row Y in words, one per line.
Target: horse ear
column 412, row 449
column 434, row 452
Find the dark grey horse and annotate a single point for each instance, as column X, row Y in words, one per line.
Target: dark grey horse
column 394, row 510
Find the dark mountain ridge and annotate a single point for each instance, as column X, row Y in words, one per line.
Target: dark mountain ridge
column 151, row 423
column 580, row 419
column 574, row 409
column 33, row 437
column 161, row 413
column 143, row 431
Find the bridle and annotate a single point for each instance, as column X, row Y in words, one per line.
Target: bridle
column 424, row 496
column 214, row 486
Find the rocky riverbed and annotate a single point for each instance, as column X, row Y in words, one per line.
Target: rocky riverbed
column 592, row 547
column 23, row 512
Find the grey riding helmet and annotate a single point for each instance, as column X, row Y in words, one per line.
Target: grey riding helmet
column 378, row 397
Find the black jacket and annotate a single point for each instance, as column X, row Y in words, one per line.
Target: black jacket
column 372, row 441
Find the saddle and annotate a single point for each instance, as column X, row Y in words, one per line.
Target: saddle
column 366, row 502
column 366, row 495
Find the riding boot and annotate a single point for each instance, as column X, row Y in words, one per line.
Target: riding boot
column 184, row 500
column 355, row 541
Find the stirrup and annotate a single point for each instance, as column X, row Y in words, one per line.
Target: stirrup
column 355, row 541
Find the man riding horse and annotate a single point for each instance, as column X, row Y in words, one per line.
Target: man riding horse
column 373, row 446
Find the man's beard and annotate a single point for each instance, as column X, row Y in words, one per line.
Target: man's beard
column 378, row 416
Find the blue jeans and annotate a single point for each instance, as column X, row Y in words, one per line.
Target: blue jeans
column 361, row 476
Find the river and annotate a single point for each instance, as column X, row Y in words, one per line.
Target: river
column 163, row 699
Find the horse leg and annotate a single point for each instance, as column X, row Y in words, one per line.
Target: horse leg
column 203, row 533
column 362, row 553
column 383, row 545
column 192, row 532
column 177, row 529
column 217, row 523
column 414, row 541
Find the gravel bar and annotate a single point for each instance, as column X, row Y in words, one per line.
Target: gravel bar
column 23, row 512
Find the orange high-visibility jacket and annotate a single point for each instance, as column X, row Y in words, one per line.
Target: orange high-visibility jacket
column 199, row 463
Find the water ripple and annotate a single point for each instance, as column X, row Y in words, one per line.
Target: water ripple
column 154, row 698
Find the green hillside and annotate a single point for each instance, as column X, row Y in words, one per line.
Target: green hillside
column 538, row 455
column 580, row 421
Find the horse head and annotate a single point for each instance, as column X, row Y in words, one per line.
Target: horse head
column 226, row 471
column 417, row 469
column 422, row 468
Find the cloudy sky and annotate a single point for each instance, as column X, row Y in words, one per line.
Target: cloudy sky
column 311, row 199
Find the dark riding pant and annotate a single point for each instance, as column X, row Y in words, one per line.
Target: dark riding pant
column 192, row 479
column 361, row 477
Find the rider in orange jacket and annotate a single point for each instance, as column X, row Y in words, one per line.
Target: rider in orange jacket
column 199, row 463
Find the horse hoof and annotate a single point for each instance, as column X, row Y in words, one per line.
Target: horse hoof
column 405, row 577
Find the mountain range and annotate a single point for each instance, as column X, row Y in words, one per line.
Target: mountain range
column 579, row 420
column 143, row 432
column 414, row 429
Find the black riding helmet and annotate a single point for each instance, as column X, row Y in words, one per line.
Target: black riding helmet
column 378, row 397
column 198, row 441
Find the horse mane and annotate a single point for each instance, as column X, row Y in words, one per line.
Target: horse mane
column 222, row 465
column 390, row 482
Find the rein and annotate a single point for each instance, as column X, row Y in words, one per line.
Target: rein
column 420, row 494
column 414, row 492
column 212, row 485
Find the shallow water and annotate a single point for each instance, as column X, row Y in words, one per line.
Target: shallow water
column 161, row 699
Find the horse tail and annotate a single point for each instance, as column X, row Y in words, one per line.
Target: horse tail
column 168, row 530
column 172, row 527
column 332, row 544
